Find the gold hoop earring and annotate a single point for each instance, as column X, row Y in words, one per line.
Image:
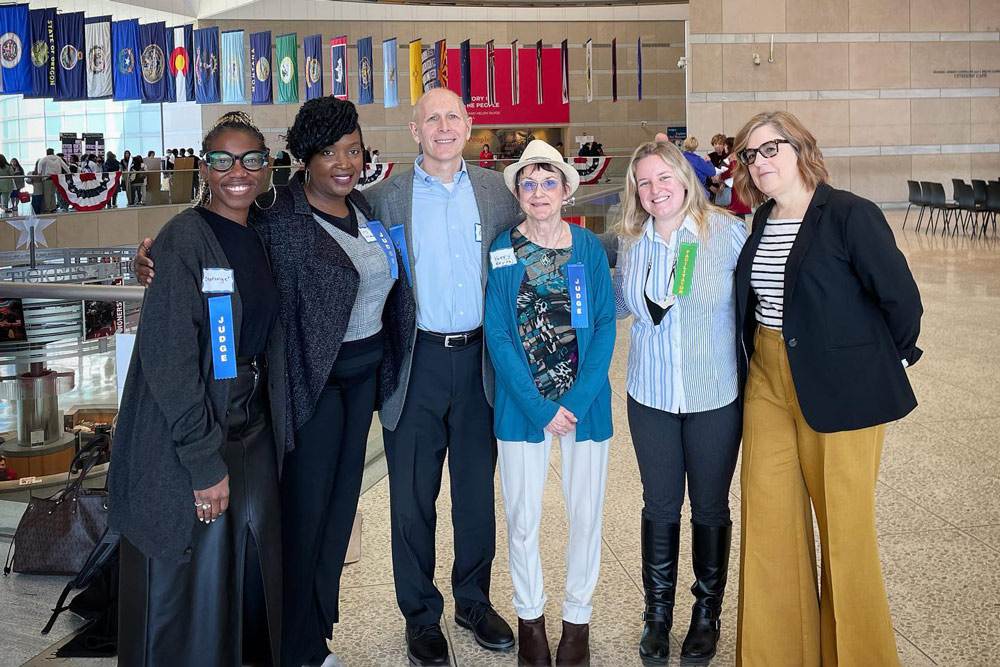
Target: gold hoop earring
column 274, row 199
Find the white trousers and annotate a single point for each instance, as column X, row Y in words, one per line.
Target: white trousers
column 524, row 467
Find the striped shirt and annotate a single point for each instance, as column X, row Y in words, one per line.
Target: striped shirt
column 687, row 362
column 767, row 273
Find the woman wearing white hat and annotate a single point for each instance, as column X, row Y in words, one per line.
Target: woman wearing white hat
column 550, row 330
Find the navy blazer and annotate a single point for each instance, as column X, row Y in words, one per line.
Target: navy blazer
column 852, row 313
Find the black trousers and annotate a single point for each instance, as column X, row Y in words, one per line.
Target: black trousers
column 320, row 485
column 701, row 445
column 223, row 607
column 446, row 412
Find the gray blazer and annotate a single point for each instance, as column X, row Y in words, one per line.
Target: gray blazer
column 392, row 201
column 172, row 420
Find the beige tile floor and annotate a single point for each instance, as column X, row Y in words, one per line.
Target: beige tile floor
column 938, row 501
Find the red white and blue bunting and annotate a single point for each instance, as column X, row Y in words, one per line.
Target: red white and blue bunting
column 86, row 191
column 374, row 173
column 591, row 169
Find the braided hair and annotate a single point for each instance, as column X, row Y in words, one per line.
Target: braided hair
column 321, row 122
column 232, row 120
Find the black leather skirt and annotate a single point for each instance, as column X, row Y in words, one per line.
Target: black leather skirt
column 223, row 607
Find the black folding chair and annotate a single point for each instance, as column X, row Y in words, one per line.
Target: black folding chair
column 992, row 207
column 939, row 203
column 916, row 198
column 966, row 202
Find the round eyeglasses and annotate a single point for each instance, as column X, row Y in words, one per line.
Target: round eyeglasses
column 768, row 149
column 224, row 160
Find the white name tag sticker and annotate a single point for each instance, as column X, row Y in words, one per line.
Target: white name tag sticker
column 366, row 234
column 217, row 281
column 501, row 258
column 479, row 232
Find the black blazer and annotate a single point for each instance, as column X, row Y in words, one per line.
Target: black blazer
column 318, row 285
column 852, row 313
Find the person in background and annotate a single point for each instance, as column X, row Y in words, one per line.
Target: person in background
column 6, row 183
column 682, row 383
column 585, row 150
column 703, row 169
column 196, row 180
column 111, row 165
column 194, row 481
column 50, row 165
column 15, row 194
column 126, row 167
column 6, row 474
column 597, row 149
column 560, row 148
column 551, row 355
column 827, row 371
column 736, row 206
column 486, row 160
column 367, row 154
column 719, row 151
column 137, row 181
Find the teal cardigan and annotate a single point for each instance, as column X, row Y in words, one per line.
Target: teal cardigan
column 521, row 413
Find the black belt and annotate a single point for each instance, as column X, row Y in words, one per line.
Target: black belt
column 451, row 340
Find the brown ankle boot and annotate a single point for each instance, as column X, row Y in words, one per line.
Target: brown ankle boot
column 574, row 645
column 532, row 644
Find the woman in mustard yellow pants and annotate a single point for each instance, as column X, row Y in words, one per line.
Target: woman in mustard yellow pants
column 830, row 317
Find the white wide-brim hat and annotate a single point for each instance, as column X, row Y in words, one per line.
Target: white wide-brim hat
column 539, row 152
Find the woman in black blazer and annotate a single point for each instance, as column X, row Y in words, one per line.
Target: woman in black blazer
column 830, row 316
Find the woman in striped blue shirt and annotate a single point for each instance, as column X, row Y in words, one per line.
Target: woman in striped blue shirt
column 675, row 272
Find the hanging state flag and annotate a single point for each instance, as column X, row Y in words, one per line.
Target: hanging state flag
column 590, row 70
column 168, row 48
column 234, row 70
column 564, row 54
column 181, row 63
column 43, row 52
column 153, row 62
column 390, row 74
column 515, row 74
column 638, row 62
column 366, row 79
column 538, row 68
column 428, row 68
column 287, row 57
column 206, row 66
column 71, row 74
column 100, row 73
column 491, row 74
column 416, row 70
column 261, row 91
column 441, row 62
column 466, row 52
column 42, row 23
column 15, row 40
column 338, row 66
column 312, row 48
column 125, row 46
column 614, row 70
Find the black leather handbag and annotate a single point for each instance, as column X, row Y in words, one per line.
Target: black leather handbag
column 57, row 534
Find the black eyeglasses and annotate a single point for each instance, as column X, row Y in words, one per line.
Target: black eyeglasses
column 224, row 160
column 767, row 149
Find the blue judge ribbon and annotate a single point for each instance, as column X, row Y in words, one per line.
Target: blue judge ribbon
column 399, row 238
column 577, row 296
column 220, row 322
column 386, row 244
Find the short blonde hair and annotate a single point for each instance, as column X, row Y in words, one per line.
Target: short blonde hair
column 807, row 153
column 690, row 144
column 633, row 216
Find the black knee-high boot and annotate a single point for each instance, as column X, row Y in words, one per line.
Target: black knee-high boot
column 710, row 549
column 660, row 543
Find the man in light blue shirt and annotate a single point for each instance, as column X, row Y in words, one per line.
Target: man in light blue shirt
column 449, row 213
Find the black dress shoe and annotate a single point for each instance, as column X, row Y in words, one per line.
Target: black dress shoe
column 491, row 631
column 426, row 645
